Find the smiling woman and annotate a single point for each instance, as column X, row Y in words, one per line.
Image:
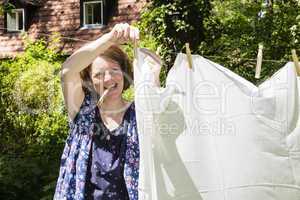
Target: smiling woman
column 114, row 62
column 101, row 156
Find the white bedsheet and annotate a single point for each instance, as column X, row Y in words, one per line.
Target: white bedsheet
column 212, row 135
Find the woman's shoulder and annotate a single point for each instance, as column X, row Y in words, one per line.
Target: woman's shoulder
column 131, row 107
column 131, row 112
column 87, row 106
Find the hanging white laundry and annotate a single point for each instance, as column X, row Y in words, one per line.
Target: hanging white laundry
column 298, row 86
column 293, row 142
column 212, row 135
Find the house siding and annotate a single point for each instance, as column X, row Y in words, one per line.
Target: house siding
column 64, row 17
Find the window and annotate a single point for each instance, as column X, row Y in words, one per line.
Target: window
column 15, row 20
column 92, row 13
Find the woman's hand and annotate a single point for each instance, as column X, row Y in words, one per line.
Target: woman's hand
column 122, row 33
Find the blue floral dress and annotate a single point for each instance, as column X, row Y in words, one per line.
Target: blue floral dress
column 74, row 172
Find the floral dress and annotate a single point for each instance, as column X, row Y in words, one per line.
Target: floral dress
column 75, row 173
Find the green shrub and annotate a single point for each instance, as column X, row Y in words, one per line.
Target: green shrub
column 34, row 123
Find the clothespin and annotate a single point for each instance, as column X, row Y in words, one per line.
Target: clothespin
column 158, row 50
column 189, row 55
column 296, row 61
column 259, row 61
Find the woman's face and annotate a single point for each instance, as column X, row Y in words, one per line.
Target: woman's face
column 106, row 74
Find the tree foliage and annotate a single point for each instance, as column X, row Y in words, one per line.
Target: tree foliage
column 228, row 32
column 173, row 23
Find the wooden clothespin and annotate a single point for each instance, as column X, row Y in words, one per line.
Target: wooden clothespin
column 296, row 61
column 259, row 61
column 189, row 55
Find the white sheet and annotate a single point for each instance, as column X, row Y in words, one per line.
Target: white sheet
column 212, row 135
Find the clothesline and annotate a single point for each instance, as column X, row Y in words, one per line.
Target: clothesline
column 244, row 59
column 51, row 34
column 248, row 59
column 221, row 57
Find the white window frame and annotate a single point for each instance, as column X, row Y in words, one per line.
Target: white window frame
column 17, row 20
column 84, row 19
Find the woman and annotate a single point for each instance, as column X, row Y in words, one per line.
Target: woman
column 101, row 156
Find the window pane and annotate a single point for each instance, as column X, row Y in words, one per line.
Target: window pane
column 88, row 14
column 20, row 22
column 97, row 13
column 93, row 13
column 11, row 21
column 15, row 21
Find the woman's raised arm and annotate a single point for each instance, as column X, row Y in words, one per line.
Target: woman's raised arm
column 83, row 57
